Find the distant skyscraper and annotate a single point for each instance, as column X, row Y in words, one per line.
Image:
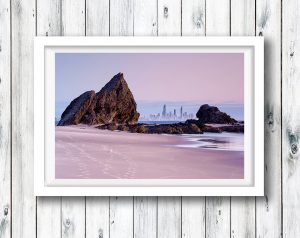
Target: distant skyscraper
column 181, row 112
column 175, row 113
column 164, row 112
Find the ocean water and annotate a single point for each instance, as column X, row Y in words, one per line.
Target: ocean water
column 215, row 141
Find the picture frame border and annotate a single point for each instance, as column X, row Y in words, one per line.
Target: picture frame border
column 46, row 185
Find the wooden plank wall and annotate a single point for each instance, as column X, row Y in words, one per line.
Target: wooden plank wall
column 274, row 215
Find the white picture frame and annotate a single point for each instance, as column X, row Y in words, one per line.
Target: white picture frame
column 45, row 183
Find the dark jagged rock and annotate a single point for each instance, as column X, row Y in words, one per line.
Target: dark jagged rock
column 210, row 114
column 233, row 128
column 114, row 103
column 179, row 128
column 77, row 109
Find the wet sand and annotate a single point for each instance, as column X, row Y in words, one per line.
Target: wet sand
column 88, row 153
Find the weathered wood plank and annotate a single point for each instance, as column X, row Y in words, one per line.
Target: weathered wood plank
column 73, row 217
column 242, row 208
column 169, row 208
column 23, row 200
column 145, row 217
column 218, row 17
column 268, row 208
column 97, row 208
column 121, row 17
column 48, row 208
column 193, row 17
column 121, row 208
column 48, row 20
column 145, row 208
column 121, row 217
column 218, row 208
column 169, row 217
column 145, row 18
column 193, row 208
column 73, row 17
column 242, row 16
column 193, row 217
column 97, row 217
column 217, row 217
column 97, row 17
column 242, row 217
column 73, row 209
column 48, row 217
column 169, row 17
column 290, row 117
column 5, row 120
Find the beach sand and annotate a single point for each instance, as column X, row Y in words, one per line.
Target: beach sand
column 88, row 153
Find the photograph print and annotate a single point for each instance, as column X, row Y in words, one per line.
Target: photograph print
column 149, row 115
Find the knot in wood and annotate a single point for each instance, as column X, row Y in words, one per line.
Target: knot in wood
column 68, row 222
column 198, row 22
column 294, row 148
column 270, row 120
column 166, row 12
column 100, row 233
column 5, row 210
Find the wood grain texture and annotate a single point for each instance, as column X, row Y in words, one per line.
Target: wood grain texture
column 145, row 17
column 23, row 200
column 290, row 117
column 5, row 120
column 97, row 217
column 97, row 208
column 193, row 17
column 193, row 208
column 193, row 217
column 242, row 208
column 169, row 17
column 97, row 17
column 73, row 209
column 145, row 217
column 218, row 17
column 121, row 217
column 121, row 17
column 73, row 217
column 218, row 217
column 145, row 208
column 48, row 19
column 121, row 208
column 268, row 208
column 218, row 208
column 48, row 23
column 48, row 222
column 169, row 217
column 169, row 208
column 73, row 17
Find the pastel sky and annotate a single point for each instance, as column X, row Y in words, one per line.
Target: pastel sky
column 173, row 77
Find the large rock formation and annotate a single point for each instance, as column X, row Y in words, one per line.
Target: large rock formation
column 114, row 103
column 210, row 114
column 78, row 108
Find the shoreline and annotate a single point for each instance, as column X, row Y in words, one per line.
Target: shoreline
column 86, row 152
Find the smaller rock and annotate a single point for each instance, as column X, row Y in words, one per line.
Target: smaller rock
column 211, row 114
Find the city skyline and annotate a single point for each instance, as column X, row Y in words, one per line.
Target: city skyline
column 168, row 115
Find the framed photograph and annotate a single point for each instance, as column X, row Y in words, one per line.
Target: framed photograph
column 148, row 116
